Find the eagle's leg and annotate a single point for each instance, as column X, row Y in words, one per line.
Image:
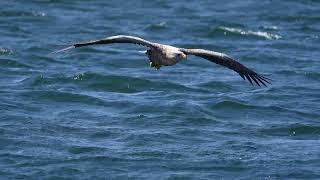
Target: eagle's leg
column 152, row 59
column 148, row 53
column 157, row 66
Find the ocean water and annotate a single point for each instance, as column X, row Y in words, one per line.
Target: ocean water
column 101, row 112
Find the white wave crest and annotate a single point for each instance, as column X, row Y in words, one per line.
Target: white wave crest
column 5, row 51
column 255, row 33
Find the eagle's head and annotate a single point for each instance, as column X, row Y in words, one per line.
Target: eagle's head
column 172, row 53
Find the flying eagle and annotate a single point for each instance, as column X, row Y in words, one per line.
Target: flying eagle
column 165, row 55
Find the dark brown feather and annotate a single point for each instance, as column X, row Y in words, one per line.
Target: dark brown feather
column 224, row 60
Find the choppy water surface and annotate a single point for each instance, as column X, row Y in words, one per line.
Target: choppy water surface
column 101, row 112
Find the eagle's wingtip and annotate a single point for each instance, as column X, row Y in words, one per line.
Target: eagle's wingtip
column 61, row 50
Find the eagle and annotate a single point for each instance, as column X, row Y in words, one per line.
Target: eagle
column 166, row 55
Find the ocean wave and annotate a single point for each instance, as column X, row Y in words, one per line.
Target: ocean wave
column 22, row 13
column 10, row 63
column 159, row 26
column 38, row 13
column 5, row 51
column 96, row 82
column 84, row 149
column 106, row 134
column 294, row 130
column 216, row 85
column 260, row 34
column 127, row 84
column 233, row 105
column 240, row 106
column 312, row 75
column 67, row 97
column 270, row 27
column 309, row 75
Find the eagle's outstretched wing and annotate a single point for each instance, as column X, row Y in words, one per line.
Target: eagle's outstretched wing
column 224, row 60
column 113, row 39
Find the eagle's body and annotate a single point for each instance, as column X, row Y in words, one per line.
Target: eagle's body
column 166, row 55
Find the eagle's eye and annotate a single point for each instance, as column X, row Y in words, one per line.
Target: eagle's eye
column 181, row 55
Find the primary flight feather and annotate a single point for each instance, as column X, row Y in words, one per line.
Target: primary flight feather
column 165, row 55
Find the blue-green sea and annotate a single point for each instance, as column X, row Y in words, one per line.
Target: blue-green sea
column 100, row 112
